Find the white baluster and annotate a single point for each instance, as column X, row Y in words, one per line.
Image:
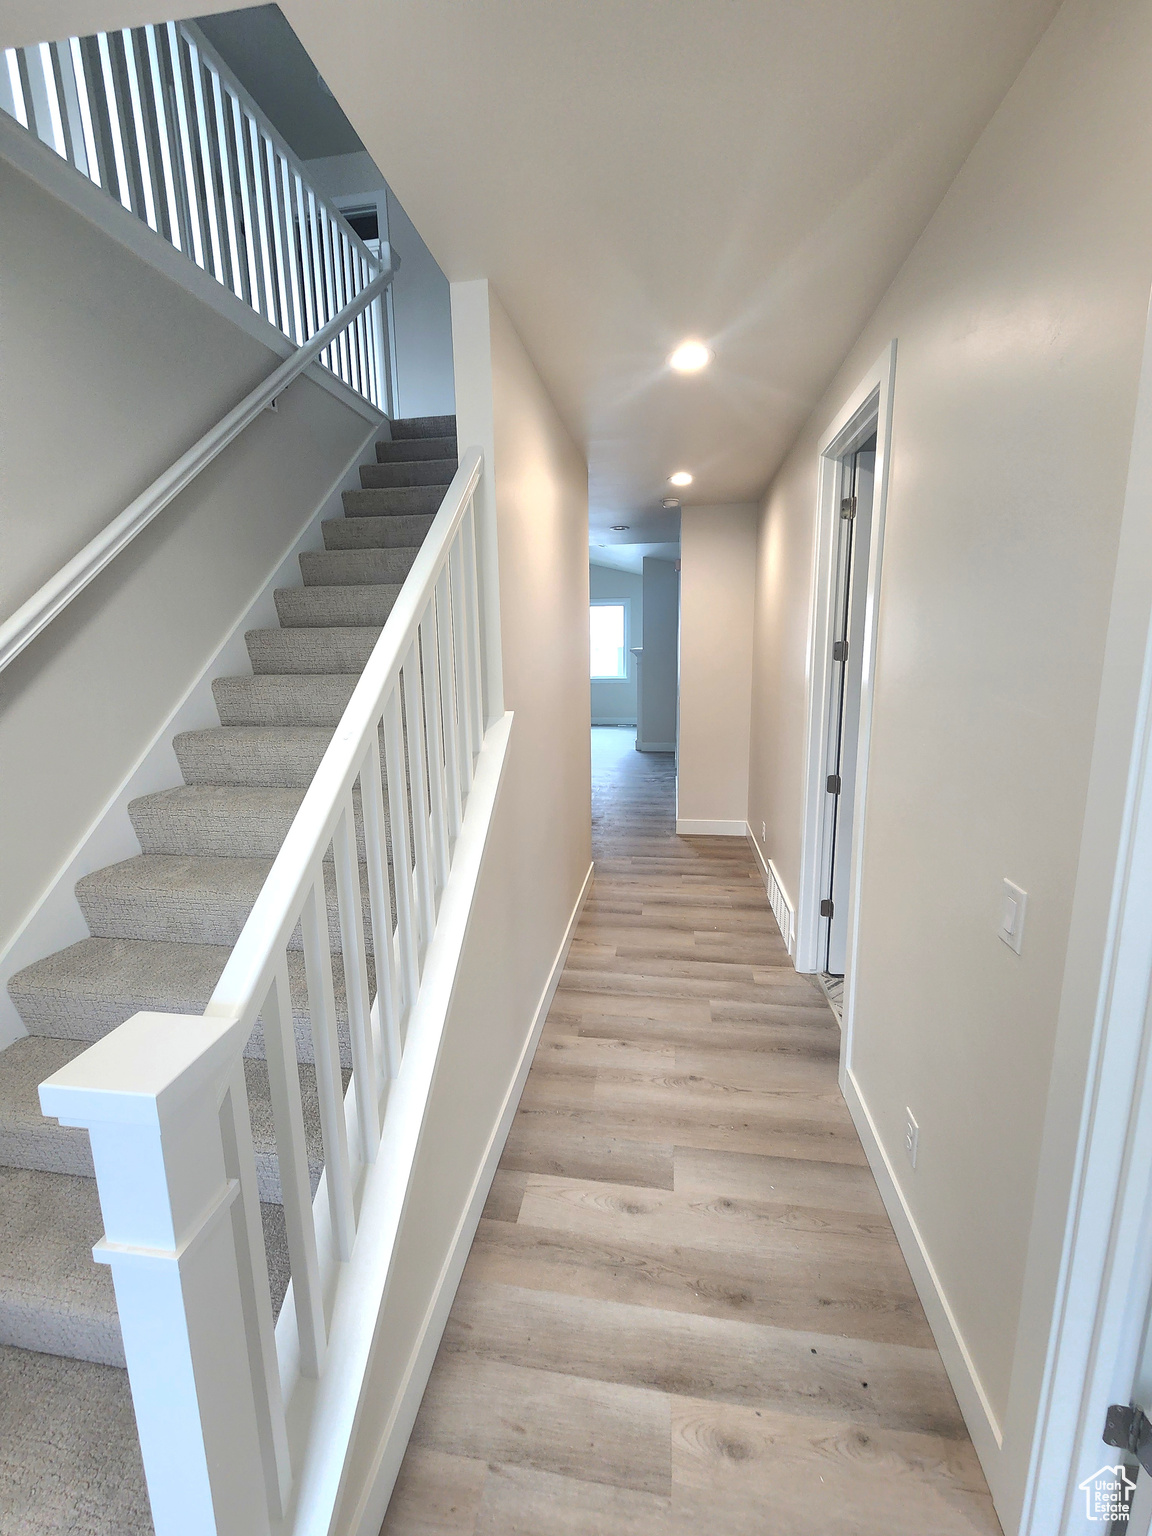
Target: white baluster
column 191, row 194
column 255, row 145
column 472, row 619
column 461, row 646
column 12, row 88
column 415, row 738
column 73, row 116
column 206, row 167
column 226, row 177
column 375, row 848
column 164, row 136
column 406, row 918
column 430, row 672
column 311, row 326
column 143, row 159
column 329, row 1077
column 351, row 916
column 46, row 98
column 446, row 650
column 278, row 236
column 292, row 1155
column 291, row 255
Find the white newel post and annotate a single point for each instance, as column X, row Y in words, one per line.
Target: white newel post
column 149, row 1095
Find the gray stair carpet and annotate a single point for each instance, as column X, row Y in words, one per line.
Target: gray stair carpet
column 161, row 928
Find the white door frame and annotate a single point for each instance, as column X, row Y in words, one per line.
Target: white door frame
column 871, row 399
column 1104, row 1271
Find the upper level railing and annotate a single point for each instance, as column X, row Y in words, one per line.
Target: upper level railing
column 245, row 1426
column 155, row 117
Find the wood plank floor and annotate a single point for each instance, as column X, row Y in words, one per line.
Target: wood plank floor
column 685, row 1312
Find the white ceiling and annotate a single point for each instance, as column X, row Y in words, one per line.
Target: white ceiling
column 752, row 172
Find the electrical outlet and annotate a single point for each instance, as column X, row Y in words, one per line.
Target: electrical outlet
column 911, row 1136
column 763, row 831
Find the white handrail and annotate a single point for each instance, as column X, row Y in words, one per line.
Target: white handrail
column 58, row 591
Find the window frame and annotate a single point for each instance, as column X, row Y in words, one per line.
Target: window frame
column 613, row 677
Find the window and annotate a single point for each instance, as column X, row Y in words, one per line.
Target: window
column 609, row 634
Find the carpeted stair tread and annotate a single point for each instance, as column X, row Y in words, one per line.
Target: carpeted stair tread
column 187, row 899
column 225, row 820
column 393, row 501
column 326, row 607
column 283, row 698
column 311, row 652
column 287, row 756
column 82, row 992
column 377, row 532
column 356, row 567
column 69, row 1456
column 53, row 1297
column 27, row 1139
column 423, row 426
column 412, row 472
column 408, row 449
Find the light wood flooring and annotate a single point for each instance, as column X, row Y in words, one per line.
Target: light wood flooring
column 685, row 1312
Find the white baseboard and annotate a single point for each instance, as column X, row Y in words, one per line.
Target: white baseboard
column 983, row 1425
column 55, row 919
column 778, row 898
column 686, row 826
column 373, row 1503
column 656, row 746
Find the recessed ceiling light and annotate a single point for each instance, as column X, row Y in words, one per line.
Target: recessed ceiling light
column 620, row 527
column 681, row 477
column 690, row 357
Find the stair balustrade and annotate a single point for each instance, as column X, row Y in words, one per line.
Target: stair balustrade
column 245, row 1424
column 155, row 117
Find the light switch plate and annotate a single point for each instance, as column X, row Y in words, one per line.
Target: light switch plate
column 1013, row 905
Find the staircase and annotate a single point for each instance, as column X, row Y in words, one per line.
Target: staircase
column 162, row 926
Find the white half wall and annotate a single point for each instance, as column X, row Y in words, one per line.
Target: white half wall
column 614, row 699
column 111, row 370
column 533, row 878
column 717, row 603
column 1019, row 319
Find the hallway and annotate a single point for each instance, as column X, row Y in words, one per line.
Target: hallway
column 685, row 1312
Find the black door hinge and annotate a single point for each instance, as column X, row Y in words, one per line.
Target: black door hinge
column 848, row 506
column 839, row 650
column 826, row 909
column 1129, row 1430
column 833, row 783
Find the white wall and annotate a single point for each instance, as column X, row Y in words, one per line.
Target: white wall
column 421, row 307
column 717, row 603
column 656, row 731
column 1019, row 318
column 110, row 371
column 539, row 853
column 614, row 699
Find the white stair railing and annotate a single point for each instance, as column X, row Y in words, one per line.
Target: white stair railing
column 245, row 1427
column 155, row 117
